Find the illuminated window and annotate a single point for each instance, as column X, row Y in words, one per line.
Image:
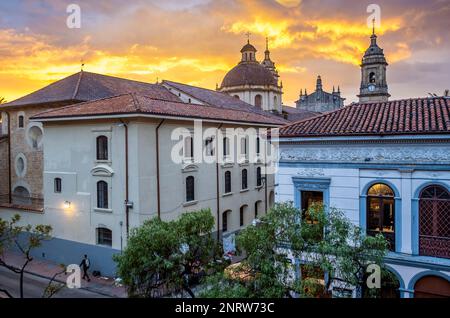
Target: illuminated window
column 381, row 212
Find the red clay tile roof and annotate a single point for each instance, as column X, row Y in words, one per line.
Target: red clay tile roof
column 219, row 99
column 409, row 116
column 86, row 86
column 138, row 104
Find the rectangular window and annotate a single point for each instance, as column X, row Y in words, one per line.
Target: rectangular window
column 104, row 237
column 189, row 147
column 102, row 195
column 21, row 122
column 309, row 198
column 228, row 182
column 190, row 189
column 58, row 185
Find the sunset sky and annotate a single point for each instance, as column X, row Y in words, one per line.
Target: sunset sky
column 198, row 41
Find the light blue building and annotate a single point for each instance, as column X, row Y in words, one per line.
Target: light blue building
column 387, row 166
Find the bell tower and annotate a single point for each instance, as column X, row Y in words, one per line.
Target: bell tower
column 374, row 86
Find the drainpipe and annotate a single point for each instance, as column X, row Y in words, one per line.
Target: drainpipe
column 217, row 183
column 9, row 159
column 158, row 189
column 265, row 170
column 127, row 202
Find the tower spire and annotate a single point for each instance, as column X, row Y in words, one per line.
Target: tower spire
column 248, row 37
column 373, row 26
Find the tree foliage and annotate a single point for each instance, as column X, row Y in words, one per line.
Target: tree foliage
column 25, row 238
column 169, row 256
column 287, row 245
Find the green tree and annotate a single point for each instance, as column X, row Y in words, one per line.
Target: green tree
column 324, row 241
column 25, row 239
column 169, row 255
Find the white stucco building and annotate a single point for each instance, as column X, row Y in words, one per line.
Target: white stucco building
column 109, row 165
column 387, row 166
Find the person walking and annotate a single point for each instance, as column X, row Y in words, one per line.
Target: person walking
column 85, row 264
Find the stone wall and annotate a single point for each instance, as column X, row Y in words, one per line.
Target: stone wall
column 4, row 164
column 26, row 143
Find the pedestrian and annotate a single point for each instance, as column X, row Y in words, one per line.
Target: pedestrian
column 85, row 264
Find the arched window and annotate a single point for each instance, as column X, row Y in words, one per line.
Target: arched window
column 57, row 185
column 244, row 179
column 381, row 212
column 102, row 195
column 225, row 216
column 20, row 121
column 434, row 222
column 258, row 177
column 227, row 182
column 372, row 77
column 102, row 148
column 104, row 236
column 258, row 100
column 257, row 209
column 190, row 189
column 275, row 101
column 21, row 196
column 242, row 215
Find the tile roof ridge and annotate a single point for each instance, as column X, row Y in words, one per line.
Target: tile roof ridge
column 325, row 114
column 137, row 105
column 77, row 104
column 77, row 87
column 266, row 115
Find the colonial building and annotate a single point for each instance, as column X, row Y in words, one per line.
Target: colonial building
column 387, row 166
column 374, row 86
column 109, row 165
column 253, row 82
column 319, row 100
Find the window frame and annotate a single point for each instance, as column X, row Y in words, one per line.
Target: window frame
column 100, row 236
column 227, row 181
column 57, row 185
column 244, row 177
column 190, row 193
column 105, row 195
column 102, row 154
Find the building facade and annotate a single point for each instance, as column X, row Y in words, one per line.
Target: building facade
column 319, row 100
column 389, row 172
column 108, row 166
column 253, row 82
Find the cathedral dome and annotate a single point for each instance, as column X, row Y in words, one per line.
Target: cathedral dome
column 249, row 74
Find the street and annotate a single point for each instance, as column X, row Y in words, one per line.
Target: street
column 34, row 287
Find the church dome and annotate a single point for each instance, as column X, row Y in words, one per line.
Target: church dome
column 248, row 48
column 249, row 74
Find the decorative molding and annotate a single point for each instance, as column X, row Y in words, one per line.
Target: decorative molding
column 414, row 154
column 312, row 172
column 187, row 168
column 102, row 171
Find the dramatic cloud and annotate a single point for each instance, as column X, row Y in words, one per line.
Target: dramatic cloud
column 198, row 41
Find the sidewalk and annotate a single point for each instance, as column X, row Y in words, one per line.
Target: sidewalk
column 47, row 269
